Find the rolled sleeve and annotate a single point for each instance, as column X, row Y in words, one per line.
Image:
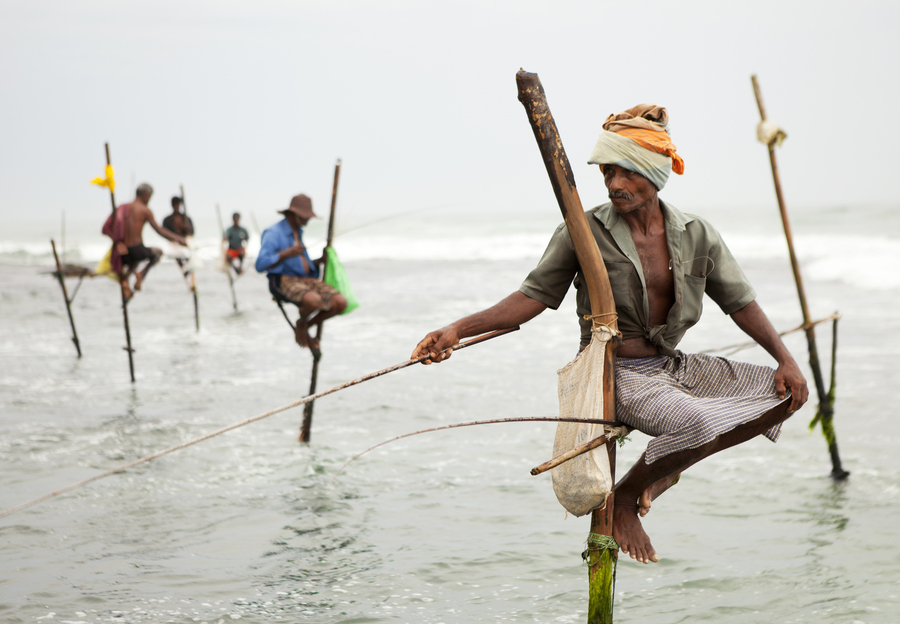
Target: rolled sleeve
column 549, row 282
column 268, row 251
column 726, row 284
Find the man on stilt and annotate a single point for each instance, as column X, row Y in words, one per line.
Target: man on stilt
column 660, row 263
column 180, row 224
column 125, row 227
column 293, row 276
column 237, row 238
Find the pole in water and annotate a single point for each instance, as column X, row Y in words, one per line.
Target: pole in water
column 306, row 426
column 112, row 199
column 193, row 277
column 62, row 285
column 825, row 411
column 602, row 552
column 228, row 264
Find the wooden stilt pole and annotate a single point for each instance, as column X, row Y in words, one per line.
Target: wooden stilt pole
column 602, row 552
column 306, row 427
column 825, row 411
column 228, row 268
column 193, row 277
column 62, row 285
column 112, row 199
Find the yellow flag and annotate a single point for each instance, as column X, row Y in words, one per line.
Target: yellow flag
column 109, row 181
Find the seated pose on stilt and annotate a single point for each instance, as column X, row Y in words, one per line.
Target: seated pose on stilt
column 237, row 238
column 128, row 244
column 180, row 224
column 293, row 276
column 660, row 263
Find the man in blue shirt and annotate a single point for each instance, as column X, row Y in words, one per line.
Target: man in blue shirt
column 293, row 276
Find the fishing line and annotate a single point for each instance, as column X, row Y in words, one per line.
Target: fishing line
column 277, row 410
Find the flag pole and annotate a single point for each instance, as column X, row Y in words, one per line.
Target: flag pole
column 62, row 284
column 112, row 199
column 306, row 426
column 191, row 271
column 228, row 267
column 825, row 409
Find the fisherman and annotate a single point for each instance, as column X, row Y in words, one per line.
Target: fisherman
column 180, row 224
column 293, row 276
column 660, row 262
column 125, row 228
column 237, row 238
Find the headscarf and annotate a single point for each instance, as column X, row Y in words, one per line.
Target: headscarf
column 637, row 140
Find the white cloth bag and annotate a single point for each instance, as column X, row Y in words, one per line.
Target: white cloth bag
column 582, row 484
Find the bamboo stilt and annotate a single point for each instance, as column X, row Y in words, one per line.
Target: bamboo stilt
column 306, row 426
column 62, row 285
column 112, row 198
column 193, row 277
column 602, row 568
column 228, row 268
column 825, row 410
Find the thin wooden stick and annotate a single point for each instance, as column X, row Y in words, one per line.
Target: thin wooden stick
column 228, row 268
column 556, row 419
column 826, row 407
column 112, row 198
column 575, row 452
column 193, row 277
column 277, row 410
column 752, row 343
column 306, row 426
column 62, row 284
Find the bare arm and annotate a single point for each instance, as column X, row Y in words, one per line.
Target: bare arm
column 753, row 321
column 172, row 236
column 516, row 309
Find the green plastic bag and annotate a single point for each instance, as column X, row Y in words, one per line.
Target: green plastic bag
column 336, row 277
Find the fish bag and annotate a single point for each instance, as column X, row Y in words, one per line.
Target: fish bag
column 582, row 484
column 336, row 277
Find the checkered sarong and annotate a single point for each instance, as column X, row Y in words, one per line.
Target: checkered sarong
column 689, row 400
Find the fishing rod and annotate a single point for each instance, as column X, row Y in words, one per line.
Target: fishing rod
column 277, row 410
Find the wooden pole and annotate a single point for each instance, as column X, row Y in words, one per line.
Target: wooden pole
column 601, row 559
column 62, row 285
column 112, row 199
column 228, row 268
column 193, row 277
column 306, row 426
column 825, row 411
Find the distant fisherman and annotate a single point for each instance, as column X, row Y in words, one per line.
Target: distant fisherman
column 293, row 276
column 237, row 238
column 660, row 263
column 125, row 228
column 179, row 223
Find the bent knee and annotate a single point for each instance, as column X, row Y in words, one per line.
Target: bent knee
column 339, row 303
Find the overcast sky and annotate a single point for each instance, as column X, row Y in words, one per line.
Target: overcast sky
column 248, row 103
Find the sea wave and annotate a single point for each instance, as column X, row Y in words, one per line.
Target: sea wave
column 866, row 261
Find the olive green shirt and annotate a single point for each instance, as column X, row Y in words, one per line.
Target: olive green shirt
column 698, row 256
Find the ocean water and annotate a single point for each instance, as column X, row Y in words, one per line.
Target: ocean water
column 443, row 527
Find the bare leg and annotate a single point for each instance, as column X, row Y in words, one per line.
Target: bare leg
column 138, row 280
column 644, row 481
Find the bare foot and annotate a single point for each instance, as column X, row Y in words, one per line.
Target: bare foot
column 630, row 535
column 138, row 278
column 126, row 290
column 301, row 333
column 653, row 492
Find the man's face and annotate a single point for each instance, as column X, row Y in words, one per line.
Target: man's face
column 295, row 220
column 145, row 197
column 236, row 219
column 176, row 207
column 628, row 190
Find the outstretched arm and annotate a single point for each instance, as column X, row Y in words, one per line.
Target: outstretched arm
column 172, row 236
column 516, row 309
column 753, row 321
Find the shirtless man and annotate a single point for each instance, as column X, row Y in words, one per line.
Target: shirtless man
column 132, row 249
column 660, row 262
